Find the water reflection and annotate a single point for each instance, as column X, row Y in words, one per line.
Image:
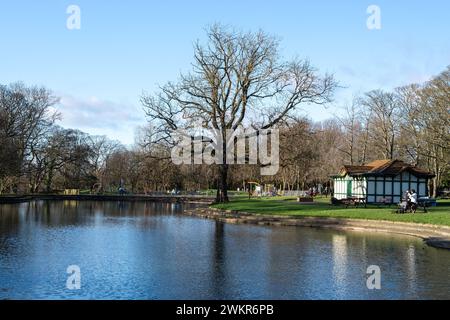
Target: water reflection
column 339, row 262
column 143, row 250
column 218, row 261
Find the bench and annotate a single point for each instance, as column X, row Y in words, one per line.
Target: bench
column 305, row 199
column 383, row 201
column 353, row 201
column 402, row 208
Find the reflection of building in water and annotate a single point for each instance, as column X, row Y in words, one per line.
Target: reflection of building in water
column 363, row 249
column 410, row 262
column 339, row 260
column 70, row 203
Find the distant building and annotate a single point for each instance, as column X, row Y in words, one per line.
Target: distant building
column 380, row 181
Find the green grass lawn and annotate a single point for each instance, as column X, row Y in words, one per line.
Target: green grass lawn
column 439, row 215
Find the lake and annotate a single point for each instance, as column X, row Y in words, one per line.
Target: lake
column 148, row 250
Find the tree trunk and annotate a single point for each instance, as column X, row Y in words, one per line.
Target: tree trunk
column 434, row 189
column 222, row 190
column 218, row 190
column 437, row 171
column 49, row 180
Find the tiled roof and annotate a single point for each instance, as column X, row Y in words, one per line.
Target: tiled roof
column 355, row 169
column 378, row 163
column 383, row 168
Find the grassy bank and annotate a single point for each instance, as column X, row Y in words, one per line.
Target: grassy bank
column 439, row 215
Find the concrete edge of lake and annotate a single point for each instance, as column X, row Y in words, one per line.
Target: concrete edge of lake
column 94, row 197
column 433, row 235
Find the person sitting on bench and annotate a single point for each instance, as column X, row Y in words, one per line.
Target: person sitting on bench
column 402, row 207
column 407, row 199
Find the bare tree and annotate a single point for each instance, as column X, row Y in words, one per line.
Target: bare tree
column 26, row 116
column 102, row 149
column 410, row 139
column 384, row 111
column 351, row 124
column 435, row 121
column 235, row 75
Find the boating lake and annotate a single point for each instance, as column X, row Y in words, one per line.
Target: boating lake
column 150, row 250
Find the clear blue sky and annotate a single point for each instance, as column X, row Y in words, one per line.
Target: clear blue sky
column 124, row 47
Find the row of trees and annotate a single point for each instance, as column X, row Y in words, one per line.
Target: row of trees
column 237, row 79
column 37, row 155
column 43, row 157
column 411, row 123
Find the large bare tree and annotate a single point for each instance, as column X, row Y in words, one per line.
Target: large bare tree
column 236, row 78
column 384, row 110
column 26, row 116
column 434, row 120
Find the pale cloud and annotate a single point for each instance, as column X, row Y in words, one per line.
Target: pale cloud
column 117, row 120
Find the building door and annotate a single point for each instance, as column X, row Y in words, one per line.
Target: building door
column 349, row 188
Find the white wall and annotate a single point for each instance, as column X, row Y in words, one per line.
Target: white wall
column 378, row 189
column 359, row 187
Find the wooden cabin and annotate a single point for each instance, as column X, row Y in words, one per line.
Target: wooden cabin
column 380, row 181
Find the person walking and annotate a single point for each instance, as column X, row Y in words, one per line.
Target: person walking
column 413, row 200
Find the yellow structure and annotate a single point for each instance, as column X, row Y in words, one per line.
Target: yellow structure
column 257, row 189
column 71, row 192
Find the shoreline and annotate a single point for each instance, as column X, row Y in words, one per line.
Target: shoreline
column 433, row 235
column 94, row 197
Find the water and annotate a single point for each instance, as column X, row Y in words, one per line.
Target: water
column 151, row 251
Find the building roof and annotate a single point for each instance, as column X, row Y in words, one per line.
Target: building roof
column 383, row 168
column 351, row 170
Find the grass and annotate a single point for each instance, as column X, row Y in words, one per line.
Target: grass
column 439, row 215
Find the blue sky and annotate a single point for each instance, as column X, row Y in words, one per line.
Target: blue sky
column 124, row 47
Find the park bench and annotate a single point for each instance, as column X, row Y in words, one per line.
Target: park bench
column 305, row 199
column 354, row 202
column 383, row 201
column 402, row 207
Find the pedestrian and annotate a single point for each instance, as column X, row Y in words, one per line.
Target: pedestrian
column 413, row 200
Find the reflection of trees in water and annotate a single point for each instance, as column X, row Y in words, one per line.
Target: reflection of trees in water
column 9, row 228
column 28, row 216
column 218, row 274
column 54, row 213
column 287, row 263
column 67, row 212
column 230, row 260
column 424, row 267
column 408, row 267
column 9, row 219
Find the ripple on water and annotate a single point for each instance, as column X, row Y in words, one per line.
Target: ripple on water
column 148, row 250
